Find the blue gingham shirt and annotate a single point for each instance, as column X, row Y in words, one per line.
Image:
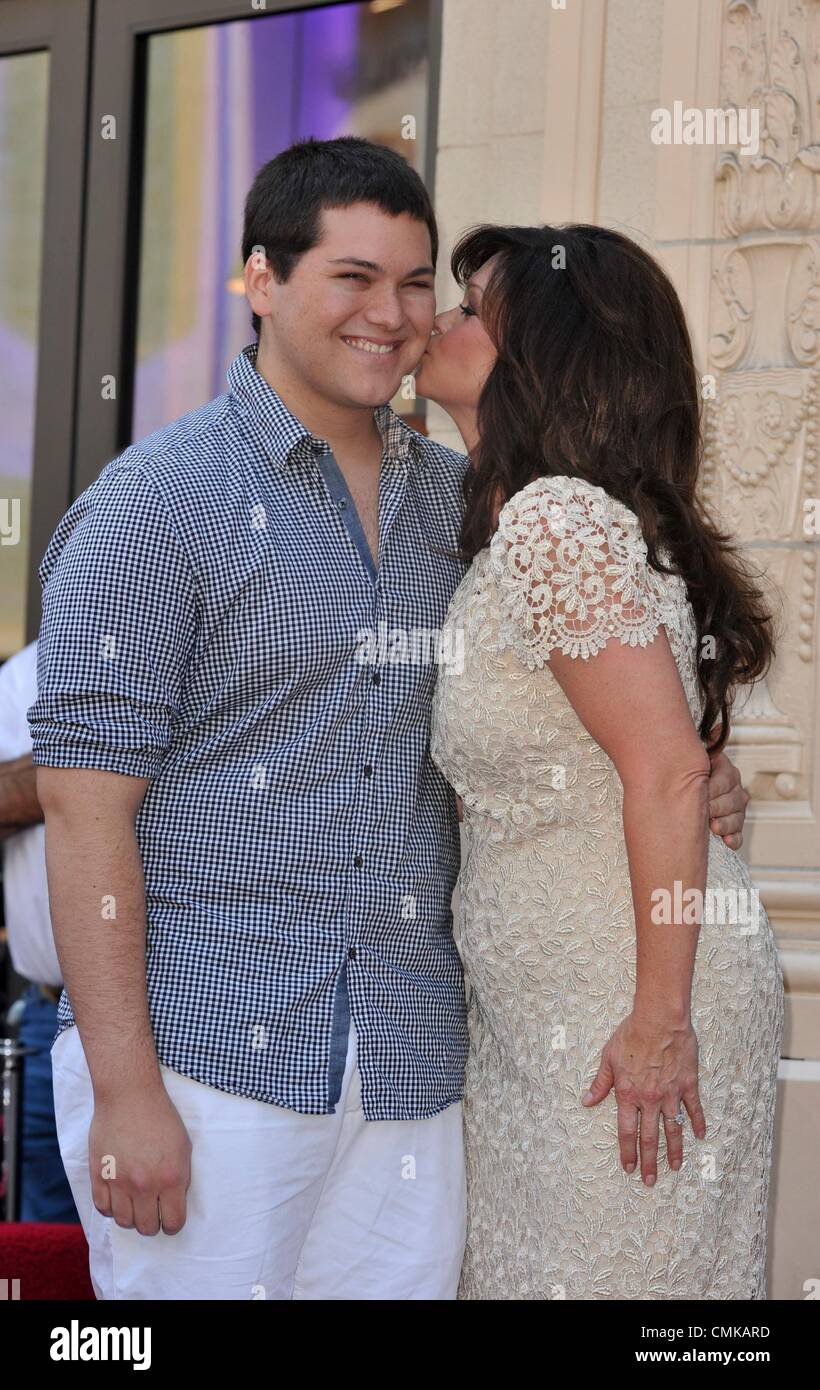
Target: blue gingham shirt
column 213, row 620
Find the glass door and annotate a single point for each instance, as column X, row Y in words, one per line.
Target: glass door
column 44, row 52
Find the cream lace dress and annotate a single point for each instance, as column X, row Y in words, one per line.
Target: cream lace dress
column 548, row 939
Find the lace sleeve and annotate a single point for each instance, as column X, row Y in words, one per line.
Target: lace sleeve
column 570, row 567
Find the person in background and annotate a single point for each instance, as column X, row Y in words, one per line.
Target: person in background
column 45, row 1192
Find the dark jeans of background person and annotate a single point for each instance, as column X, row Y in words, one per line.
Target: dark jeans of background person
column 44, row 1191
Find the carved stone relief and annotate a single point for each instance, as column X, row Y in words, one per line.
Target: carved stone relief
column 761, row 430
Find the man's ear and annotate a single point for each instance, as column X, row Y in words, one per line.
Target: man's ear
column 256, row 274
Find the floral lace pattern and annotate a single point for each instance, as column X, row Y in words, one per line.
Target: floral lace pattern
column 547, row 935
column 571, row 571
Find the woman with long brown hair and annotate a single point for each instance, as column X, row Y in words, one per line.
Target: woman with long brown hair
column 625, row 985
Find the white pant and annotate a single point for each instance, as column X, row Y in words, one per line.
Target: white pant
column 281, row 1205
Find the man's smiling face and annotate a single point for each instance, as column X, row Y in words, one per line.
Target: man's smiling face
column 357, row 312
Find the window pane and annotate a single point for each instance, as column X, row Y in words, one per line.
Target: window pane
column 23, row 119
column 221, row 101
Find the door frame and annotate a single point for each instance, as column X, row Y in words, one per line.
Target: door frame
column 63, row 29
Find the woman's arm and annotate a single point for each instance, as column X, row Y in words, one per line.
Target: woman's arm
column 631, row 700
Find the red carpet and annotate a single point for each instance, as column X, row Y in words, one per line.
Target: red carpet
column 50, row 1261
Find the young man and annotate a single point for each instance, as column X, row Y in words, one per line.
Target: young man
column 251, row 856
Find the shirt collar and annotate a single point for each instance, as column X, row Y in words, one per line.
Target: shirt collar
column 285, row 437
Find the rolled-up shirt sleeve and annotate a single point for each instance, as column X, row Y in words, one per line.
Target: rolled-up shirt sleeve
column 119, row 621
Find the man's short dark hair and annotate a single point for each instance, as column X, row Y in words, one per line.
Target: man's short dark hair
column 283, row 206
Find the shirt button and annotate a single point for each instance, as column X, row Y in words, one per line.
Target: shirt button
column 368, row 771
column 358, row 861
column 351, row 955
column 342, row 503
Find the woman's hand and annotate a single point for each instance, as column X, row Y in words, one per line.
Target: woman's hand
column 654, row 1070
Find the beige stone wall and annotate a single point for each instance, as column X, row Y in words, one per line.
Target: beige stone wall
column 545, row 115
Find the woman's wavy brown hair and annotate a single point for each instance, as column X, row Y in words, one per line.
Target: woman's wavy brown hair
column 595, row 379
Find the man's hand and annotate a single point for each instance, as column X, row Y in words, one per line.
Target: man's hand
column 728, row 800
column 141, row 1137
